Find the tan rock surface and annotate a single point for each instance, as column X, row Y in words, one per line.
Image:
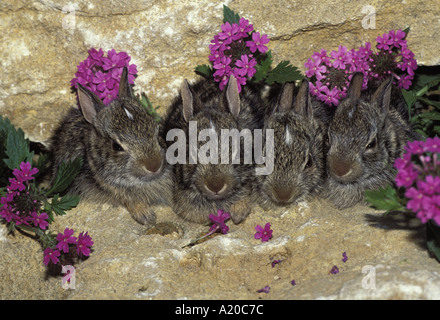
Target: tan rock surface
column 41, row 45
column 44, row 41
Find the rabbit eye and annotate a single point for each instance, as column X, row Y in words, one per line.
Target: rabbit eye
column 309, row 162
column 116, row 146
column 372, row 144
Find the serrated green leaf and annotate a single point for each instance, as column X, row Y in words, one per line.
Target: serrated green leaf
column 264, row 67
column 16, row 147
column 65, row 176
column 284, row 72
column 384, row 199
column 230, row 16
column 203, row 70
column 406, row 31
column 61, row 205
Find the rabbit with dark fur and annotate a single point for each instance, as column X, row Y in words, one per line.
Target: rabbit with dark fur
column 365, row 136
column 123, row 163
column 204, row 188
column 299, row 161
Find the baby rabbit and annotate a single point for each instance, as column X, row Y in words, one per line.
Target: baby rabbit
column 203, row 188
column 123, row 162
column 365, row 136
column 299, row 161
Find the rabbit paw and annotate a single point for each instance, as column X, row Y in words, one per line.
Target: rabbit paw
column 240, row 210
column 142, row 213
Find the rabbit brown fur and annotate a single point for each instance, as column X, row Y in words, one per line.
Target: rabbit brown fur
column 299, row 161
column 202, row 189
column 123, row 162
column 366, row 135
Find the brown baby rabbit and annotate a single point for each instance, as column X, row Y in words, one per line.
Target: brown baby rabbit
column 365, row 136
column 299, row 161
column 204, row 188
column 123, row 162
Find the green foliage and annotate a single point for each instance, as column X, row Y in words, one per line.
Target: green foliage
column 230, row 16
column 284, row 72
column 145, row 102
column 263, row 68
column 204, row 70
column 59, row 205
column 385, row 199
column 65, row 176
column 15, row 148
column 424, row 104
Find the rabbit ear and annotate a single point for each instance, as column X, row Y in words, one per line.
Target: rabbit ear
column 124, row 86
column 90, row 104
column 355, row 88
column 383, row 95
column 303, row 102
column 285, row 101
column 187, row 100
column 233, row 96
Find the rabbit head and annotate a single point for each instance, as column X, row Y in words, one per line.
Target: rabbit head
column 124, row 149
column 216, row 177
column 365, row 136
column 299, row 164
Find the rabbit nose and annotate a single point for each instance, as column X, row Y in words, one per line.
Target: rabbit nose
column 216, row 185
column 283, row 194
column 341, row 168
column 152, row 164
column 344, row 170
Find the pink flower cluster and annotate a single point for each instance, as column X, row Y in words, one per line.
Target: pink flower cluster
column 101, row 74
column 19, row 205
column 330, row 75
column 65, row 240
column 233, row 50
column 418, row 171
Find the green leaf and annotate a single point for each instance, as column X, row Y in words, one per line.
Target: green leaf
column 430, row 102
column 145, row 102
column 230, row 16
column 16, row 146
column 410, row 97
column 61, row 205
column 284, row 72
column 406, row 31
column 65, row 176
column 384, row 199
column 430, row 115
column 203, row 70
column 264, row 67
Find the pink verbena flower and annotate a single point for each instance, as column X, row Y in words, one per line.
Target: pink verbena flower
column 392, row 58
column 232, row 52
column 418, row 173
column 64, row 239
column 101, row 73
column 263, row 233
column 40, row 220
column 84, row 244
column 258, row 42
column 51, row 255
column 246, row 66
column 219, row 221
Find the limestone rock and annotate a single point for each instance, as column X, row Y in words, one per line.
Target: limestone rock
column 387, row 258
column 44, row 41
